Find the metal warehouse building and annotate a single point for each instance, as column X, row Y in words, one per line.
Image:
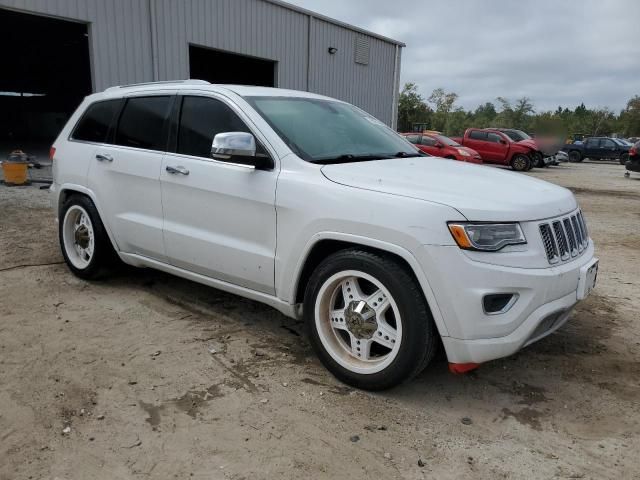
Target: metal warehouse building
column 54, row 52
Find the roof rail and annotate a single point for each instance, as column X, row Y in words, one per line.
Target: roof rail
column 165, row 82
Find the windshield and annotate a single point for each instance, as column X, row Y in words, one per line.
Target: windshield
column 622, row 142
column 325, row 131
column 447, row 141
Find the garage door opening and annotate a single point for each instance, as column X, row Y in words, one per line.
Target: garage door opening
column 222, row 67
column 45, row 75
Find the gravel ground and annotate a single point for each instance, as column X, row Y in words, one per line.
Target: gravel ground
column 149, row 376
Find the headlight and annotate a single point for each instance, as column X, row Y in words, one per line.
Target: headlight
column 488, row 237
column 464, row 153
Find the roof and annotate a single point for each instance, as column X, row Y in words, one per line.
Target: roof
column 324, row 18
column 242, row 90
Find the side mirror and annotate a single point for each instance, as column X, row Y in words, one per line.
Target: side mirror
column 239, row 147
column 503, row 142
column 439, row 145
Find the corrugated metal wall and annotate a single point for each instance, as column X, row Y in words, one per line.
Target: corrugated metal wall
column 144, row 40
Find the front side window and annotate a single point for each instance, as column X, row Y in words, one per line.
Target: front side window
column 142, row 123
column 494, row 137
column 201, row 119
column 94, row 124
column 447, row 141
column 327, row 131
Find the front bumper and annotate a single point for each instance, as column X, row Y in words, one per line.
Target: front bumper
column 546, row 297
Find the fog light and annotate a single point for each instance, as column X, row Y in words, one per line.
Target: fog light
column 497, row 303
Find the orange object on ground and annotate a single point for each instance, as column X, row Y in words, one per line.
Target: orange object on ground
column 15, row 173
column 460, row 368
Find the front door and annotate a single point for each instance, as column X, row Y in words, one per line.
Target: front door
column 219, row 218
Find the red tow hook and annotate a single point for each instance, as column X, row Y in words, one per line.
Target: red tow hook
column 461, row 368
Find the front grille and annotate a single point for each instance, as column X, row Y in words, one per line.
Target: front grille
column 564, row 238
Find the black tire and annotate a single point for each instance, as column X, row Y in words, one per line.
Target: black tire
column 521, row 162
column 104, row 257
column 575, row 156
column 538, row 160
column 623, row 158
column 419, row 340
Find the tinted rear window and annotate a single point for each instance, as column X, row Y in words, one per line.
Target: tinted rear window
column 142, row 123
column 94, row 124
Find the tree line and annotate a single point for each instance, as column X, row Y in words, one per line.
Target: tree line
column 439, row 112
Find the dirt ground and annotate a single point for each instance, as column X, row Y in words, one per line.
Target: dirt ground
column 151, row 376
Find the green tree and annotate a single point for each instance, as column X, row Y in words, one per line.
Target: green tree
column 444, row 104
column 412, row 108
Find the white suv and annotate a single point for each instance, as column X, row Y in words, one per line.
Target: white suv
column 314, row 207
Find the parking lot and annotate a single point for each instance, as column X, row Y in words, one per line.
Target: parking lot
column 145, row 375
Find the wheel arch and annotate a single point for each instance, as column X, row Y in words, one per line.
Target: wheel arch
column 67, row 190
column 323, row 245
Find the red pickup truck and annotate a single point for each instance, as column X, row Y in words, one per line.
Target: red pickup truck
column 496, row 147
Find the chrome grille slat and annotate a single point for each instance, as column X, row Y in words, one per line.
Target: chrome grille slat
column 564, row 237
column 561, row 240
column 572, row 238
column 549, row 243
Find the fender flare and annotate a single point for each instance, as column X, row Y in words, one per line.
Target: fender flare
column 402, row 252
column 72, row 187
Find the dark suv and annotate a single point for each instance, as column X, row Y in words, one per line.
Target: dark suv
column 598, row 148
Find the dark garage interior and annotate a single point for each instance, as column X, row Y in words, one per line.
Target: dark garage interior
column 45, row 75
column 223, row 67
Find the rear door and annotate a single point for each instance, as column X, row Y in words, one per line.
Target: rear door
column 477, row 139
column 219, row 218
column 125, row 174
column 592, row 148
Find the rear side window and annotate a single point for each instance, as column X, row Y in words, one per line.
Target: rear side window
column 428, row 141
column 413, row 138
column 94, row 124
column 142, row 123
column 478, row 135
column 201, row 119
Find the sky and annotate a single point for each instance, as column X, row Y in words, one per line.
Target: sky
column 556, row 52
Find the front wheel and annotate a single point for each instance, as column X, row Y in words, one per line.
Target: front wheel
column 623, row 158
column 368, row 320
column 521, row 162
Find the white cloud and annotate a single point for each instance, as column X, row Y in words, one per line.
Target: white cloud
column 555, row 52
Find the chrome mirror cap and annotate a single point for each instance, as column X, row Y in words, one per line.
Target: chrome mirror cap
column 233, row 144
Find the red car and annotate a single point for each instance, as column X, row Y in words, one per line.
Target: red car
column 440, row 146
column 496, row 147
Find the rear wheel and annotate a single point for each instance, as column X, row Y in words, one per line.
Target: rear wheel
column 521, row 162
column 623, row 158
column 575, row 156
column 85, row 245
column 368, row 320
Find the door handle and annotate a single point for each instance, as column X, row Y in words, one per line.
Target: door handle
column 104, row 157
column 177, row 170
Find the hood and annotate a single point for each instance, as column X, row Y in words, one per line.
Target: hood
column 529, row 142
column 480, row 193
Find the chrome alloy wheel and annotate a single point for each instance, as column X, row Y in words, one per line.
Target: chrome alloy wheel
column 358, row 322
column 78, row 236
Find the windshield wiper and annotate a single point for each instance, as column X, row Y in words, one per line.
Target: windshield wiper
column 349, row 157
